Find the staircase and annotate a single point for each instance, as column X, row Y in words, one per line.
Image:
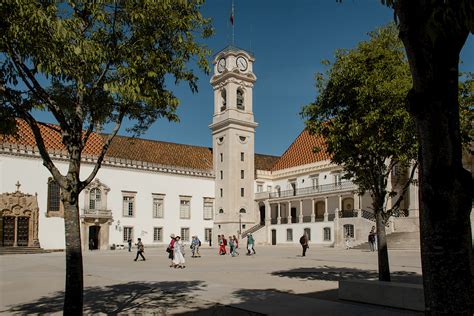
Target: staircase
column 21, row 250
column 252, row 230
column 400, row 240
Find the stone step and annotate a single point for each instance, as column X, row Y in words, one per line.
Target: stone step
column 21, row 250
column 399, row 240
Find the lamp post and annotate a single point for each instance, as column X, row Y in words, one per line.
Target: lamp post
column 240, row 225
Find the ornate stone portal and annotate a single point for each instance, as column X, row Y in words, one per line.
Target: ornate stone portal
column 19, row 219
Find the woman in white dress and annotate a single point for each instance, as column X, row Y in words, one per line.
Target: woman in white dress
column 178, row 259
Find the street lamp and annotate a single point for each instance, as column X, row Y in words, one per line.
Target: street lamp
column 240, row 225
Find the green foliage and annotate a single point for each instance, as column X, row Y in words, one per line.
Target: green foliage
column 466, row 109
column 95, row 62
column 360, row 110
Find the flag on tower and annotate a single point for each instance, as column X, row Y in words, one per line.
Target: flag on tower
column 232, row 15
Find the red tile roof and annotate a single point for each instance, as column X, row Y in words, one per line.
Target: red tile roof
column 301, row 152
column 163, row 153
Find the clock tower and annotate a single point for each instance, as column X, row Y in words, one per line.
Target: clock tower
column 233, row 131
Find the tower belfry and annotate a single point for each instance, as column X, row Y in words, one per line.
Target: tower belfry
column 233, row 130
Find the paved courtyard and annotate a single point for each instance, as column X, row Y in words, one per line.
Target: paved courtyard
column 276, row 281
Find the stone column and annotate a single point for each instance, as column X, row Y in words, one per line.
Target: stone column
column 278, row 213
column 313, row 213
column 340, row 202
column 15, row 235
column 326, row 212
column 268, row 213
column 289, row 212
column 356, row 201
column 300, row 220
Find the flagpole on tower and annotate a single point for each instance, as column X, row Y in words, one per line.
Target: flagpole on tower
column 232, row 22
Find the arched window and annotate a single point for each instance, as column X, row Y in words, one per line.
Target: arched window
column 327, row 234
column 242, row 211
column 94, row 199
column 223, row 100
column 221, row 211
column 349, row 230
column 240, row 99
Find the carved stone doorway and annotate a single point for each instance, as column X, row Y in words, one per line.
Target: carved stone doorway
column 19, row 219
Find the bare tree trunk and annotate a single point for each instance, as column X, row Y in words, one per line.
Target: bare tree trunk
column 73, row 299
column 382, row 251
column 433, row 49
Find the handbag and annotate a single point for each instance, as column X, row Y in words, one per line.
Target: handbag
column 168, row 250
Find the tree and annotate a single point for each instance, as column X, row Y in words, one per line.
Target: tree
column 360, row 112
column 94, row 64
column 433, row 33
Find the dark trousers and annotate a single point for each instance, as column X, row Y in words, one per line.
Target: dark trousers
column 305, row 247
column 139, row 253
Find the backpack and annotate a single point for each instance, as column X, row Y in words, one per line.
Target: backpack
column 199, row 243
column 302, row 241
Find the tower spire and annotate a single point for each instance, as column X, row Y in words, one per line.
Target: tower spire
column 232, row 22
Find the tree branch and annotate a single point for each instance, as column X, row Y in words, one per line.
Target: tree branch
column 98, row 164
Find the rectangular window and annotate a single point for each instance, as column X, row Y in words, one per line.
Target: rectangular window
column 185, row 208
column 259, row 188
column 54, row 197
column 337, row 179
column 127, row 234
column 222, row 157
column 157, row 234
column 158, row 206
column 185, row 234
column 207, row 234
column 222, row 192
column 289, row 234
column 242, row 174
column 208, row 208
column 327, row 234
column 308, row 232
column 315, row 182
column 241, row 156
column 222, row 174
column 269, row 188
column 242, row 192
column 128, row 206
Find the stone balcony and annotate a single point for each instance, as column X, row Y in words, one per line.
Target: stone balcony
column 305, row 191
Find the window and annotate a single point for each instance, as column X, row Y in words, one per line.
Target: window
column 269, row 188
column 242, row 211
column 157, row 234
column 240, row 100
column 94, row 199
column 308, row 232
column 222, row 174
column 128, row 206
column 54, row 197
column 242, row 192
column 185, row 234
column 395, row 170
column 185, row 208
column 207, row 234
column 127, row 233
column 242, row 174
column 289, row 234
column 327, row 234
column 223, row 100
column 337, row 179
column 259, row 188
column 315, row 182
column 242, row 156
column 222, row 192
column 208, row 208
column 349, row 230
column 158, row 206
column 222, row 157
column 221, row 211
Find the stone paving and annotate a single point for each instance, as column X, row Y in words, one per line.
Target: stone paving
column 275, row 281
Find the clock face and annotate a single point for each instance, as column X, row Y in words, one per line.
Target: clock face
column 221, row 65
column 242, row 63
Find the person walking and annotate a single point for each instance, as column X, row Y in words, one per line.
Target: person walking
column 371, row 239
column 304, row 240
column 91, row 244
column 348, row 241
column 223, row 244
column 236, row 243
column 170, row 250
column 140, row 250
column 250, row 245
column 129, row 244
column 195, row 244
column 178, row 259
column 231, row 246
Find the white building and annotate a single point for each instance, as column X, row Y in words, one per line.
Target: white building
column 150, row 189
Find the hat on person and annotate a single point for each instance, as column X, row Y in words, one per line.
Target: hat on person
column 172, row 235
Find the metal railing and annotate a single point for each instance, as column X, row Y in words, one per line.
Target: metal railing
column 346, row 185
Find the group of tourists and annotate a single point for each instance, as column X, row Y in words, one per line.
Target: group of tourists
column 176, row 251
column 233, row 245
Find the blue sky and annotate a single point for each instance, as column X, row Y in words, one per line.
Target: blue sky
column 289, row 41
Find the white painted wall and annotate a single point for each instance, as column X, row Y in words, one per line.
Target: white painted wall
column 317, row 233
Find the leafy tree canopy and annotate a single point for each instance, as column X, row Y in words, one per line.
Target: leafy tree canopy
column 360, row 109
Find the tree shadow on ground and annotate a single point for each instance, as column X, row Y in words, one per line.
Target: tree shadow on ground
column 150, row 297
column 328, row 273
